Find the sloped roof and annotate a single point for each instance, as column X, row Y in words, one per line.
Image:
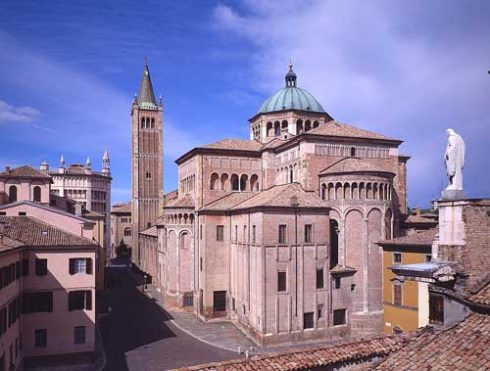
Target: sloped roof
column 314, row 358
column 280, row 196
column 336, row 129
column 481, row 296
column 353, row 165
column 151, row 232
column 184, row 201
column 277, row 196
column 465, row 346
column 33, row 232
column 235, row 144
column 228, row 201
column 24, row 172
column 52, row 209
column 121, row 208
column 422, row 238
column 420, row 219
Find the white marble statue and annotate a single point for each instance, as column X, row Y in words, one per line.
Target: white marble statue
column 454, row 160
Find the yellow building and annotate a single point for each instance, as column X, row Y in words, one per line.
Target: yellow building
column 405, row 304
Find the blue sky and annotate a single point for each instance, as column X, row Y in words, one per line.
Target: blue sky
column 69, row 70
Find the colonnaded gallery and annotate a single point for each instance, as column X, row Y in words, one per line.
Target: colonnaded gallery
column 278, row 232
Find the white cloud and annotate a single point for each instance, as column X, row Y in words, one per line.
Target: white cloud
column 20, row 114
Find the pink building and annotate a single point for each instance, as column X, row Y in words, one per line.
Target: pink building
column 49, row 262
column 47, row 301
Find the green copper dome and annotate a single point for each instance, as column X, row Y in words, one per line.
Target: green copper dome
column 291, row 97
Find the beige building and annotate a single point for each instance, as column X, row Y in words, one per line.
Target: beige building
column 278, row 233
column 91, row 189
column 121, row 225
column 146, row 161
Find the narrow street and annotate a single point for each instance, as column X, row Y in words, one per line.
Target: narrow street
column 138, row 335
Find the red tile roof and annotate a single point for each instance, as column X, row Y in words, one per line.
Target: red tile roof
column 183, row 201
column 481, row 296
column 353, row 165
column 420, row 219
column 422, row 238
column 228, row 201
column 281, row 195
column 24, row 172
column 465, row 346
column 326, row 357
column 151, row 232
column 277, row 196
column 121, row 208
column 236, row 144
column 337, row 129
column 33, row 232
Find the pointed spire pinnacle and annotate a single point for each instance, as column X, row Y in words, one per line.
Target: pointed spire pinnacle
column 290, row 76
column 88, row 164
column 62, row 161
column 145, row 94
column 105, row 157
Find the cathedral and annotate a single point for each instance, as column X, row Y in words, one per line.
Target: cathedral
column 277, row 233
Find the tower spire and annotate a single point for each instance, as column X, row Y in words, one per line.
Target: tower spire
column 145, row 94
column 106, row 163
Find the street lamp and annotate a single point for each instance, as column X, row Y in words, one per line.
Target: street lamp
column 295, row 203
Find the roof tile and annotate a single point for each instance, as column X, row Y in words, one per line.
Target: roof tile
column 24, row 172
column 33, row 232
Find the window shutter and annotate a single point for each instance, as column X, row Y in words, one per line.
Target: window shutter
column 88, row 300
column 72, row 266
column 89, row 269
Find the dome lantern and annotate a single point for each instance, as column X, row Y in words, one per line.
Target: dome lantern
column 291, row 76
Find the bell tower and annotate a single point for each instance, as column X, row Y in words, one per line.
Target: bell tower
column 146, row 160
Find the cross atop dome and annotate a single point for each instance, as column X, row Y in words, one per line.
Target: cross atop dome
column 290, row 76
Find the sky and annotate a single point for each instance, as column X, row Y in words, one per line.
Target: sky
column 410, row 70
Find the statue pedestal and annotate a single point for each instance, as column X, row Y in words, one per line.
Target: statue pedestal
column 453, row 194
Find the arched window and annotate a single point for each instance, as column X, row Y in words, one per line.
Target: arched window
column 277, row 129
column 291, row 175
column 142, row 122
column 299, row 127
column 12, row 193
column 352, row 151
column 243, row 182
column 214, row 182
column 224, row 182
column 153, row 123
column 284, row 125
column 127, row 232
column 36, row 194
column 315, row 124
column 269, row 129
column 235, row 183
column 254, row 182
column 324, row 191
column 307, row 125
column 334, row 243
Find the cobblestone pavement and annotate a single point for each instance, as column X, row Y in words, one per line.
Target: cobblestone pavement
column 222, row 333
column 138, row 334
